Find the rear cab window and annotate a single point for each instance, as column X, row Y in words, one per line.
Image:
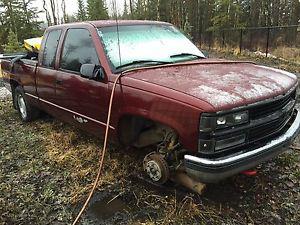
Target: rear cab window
column 78, row 49
column 50, row 48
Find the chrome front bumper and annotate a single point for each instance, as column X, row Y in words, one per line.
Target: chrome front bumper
column 214, row 170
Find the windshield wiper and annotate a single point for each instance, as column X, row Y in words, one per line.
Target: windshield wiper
column 136, row 62
column 187, row 54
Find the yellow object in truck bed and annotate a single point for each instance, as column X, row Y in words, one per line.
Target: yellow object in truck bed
column 33, row 44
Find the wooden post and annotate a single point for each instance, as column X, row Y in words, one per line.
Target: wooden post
column 210, row 40
column 223, row 39
column 268, row 40
column 241, row 41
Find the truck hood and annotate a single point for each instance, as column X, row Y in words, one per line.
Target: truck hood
column 222, row 84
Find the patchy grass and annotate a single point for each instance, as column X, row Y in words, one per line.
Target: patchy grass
column 47, row 169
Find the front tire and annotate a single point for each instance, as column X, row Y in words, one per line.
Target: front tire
column 26, row 111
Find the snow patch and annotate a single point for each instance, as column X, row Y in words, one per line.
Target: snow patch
column 216, row 97
column 291, row 75
column 256, row 90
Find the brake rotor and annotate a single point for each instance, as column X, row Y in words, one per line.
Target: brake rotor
column 156, row 167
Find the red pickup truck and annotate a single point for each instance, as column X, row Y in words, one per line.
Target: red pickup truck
column 209, row 118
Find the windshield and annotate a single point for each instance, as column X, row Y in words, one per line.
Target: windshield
column 147, row 44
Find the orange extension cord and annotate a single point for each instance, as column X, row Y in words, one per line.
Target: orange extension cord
column 103, row 153
column 106, row 137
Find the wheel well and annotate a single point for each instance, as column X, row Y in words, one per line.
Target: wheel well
column 141, row 132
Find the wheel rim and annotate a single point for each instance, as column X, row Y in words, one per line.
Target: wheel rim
column 22, row 106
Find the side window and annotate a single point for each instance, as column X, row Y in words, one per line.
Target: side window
column 78, row 49
column 51, row 48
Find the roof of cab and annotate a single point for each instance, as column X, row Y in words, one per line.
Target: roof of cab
column 110, row 23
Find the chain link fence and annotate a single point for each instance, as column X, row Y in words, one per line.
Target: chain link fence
column 279, row 41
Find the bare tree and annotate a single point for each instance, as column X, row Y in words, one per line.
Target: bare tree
column 131, row 7
column 63, row 7
column 57, row 12
column 53, row 10
column 48, row 17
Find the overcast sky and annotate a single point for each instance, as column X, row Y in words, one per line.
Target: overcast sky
column 71, row 6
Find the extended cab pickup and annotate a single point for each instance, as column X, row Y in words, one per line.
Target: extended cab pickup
column 209, row 118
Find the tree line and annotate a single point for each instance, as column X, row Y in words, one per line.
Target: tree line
column 198, row 16
column 19, row 18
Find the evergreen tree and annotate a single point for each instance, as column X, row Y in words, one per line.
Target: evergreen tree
column 152, row 10
column 164, row 10
column 81, row 13
column 13, row 44
column 29, row 20
column 125, row 11
column 140, row 10
column 20, row 17
column 97, row 10
column 227, row 14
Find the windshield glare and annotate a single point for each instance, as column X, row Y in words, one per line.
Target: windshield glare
column 146, row 42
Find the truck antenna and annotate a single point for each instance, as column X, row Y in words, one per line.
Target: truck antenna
column 118, row 32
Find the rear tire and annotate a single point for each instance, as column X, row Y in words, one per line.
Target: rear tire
column 14, row 98
column 26, row 111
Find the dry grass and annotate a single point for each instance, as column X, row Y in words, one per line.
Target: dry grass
column 47, row 168
column 287, row 53
column 284, row 53
column 234, row 54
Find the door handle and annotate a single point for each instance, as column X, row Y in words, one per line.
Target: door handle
column 58, row 82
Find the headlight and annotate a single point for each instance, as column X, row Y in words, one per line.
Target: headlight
column 208, row 123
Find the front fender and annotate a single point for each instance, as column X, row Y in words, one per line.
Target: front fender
column 181, row 117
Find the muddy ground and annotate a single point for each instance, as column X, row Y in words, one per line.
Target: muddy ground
column 47, row 169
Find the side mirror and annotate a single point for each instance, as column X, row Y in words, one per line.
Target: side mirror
column 92, row 71
column 205, row 53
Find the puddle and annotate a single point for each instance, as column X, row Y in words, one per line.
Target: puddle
column 107, row 208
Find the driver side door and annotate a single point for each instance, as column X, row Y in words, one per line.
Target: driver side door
column 83, row 102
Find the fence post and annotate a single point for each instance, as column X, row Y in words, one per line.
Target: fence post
column 223, row 39
column 210, row 40
column 241, row 41
column 268, row 40
column 200, row 39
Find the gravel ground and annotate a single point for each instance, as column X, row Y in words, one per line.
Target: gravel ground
column 4, row 93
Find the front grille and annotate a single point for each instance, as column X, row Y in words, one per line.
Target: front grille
column 271, row 107
column 264, row 125
column 266, row 130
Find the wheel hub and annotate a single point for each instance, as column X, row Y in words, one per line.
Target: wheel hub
column 156, row 167
column 153, row 170
column 22, row 106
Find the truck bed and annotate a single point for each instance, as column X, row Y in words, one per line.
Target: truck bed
column 22, row 71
